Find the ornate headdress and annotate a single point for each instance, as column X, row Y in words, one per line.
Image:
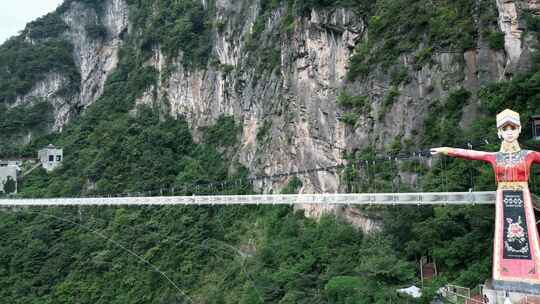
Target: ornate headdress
column 508, row 117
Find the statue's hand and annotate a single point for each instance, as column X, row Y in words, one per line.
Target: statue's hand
column 435, row 151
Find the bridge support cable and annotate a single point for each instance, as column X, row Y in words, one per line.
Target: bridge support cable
column 116, row 243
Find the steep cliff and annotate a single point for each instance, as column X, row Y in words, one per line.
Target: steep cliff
column 287, row 96
column 91, row 35
column 286, row 71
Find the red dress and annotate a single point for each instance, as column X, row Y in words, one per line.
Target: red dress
column 516, row 250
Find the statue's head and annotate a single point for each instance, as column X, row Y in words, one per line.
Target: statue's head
column 508, row 125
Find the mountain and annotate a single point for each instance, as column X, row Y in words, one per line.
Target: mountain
column 150, row 95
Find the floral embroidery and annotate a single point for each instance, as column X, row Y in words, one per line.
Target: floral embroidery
column 515, row 234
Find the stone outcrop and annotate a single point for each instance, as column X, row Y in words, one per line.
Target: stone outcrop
column 95, row 57
column 517, row 46
column 47, row 89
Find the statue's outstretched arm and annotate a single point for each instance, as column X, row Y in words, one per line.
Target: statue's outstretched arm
column 464, row 153
column 535, row 156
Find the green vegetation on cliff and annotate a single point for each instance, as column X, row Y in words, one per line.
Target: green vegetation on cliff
column 416, row 26
column 16, row 121
column 28, row 58
column 174, row 26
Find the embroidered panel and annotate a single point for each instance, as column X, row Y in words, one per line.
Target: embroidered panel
column 510, row 159
column 515, row 236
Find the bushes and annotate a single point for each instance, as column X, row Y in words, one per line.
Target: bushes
column 496, row 40
column 532, row 21
column 349, row 118
column 346, row 100
column 25, row 117
column 292, row 186
column 519, row 94
column 270, row 60
column 441, row 125
column 133, row 154
column 357, row 67
column 175, row 26
column 390, row 98
column 48, row 26
column 357, row 104
column 25, row 64
column 398, row 27
column 424, row 56
column 18, row 121
column 226, row 68
column 10, row 185
column 344, row 289
column 399, row 75
column 223, row 133
column 96, row 31
column 263, row 130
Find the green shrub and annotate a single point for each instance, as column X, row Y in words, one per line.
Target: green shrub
column 27, row 63
column 271, row 59
column 398, row 27
column 390, row 97
column 10, row 186
column 356, row 68
column 292, row 186
column 440, row 124
column 532, row 21
column 496, row 40
column 349, row 118
column 226, row 68
column 48, row 26
column 263, row 130
column 424, row 56
column 223, row 133
column 96, row 31
column 176, row 26
column 346, row 100
column 35, row 118
column 344, row 289
column 399, row 75
column 220, row 26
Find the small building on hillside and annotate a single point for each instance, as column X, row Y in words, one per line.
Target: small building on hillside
column 50, row 157
column 535, row 121
column 8, row 178
column 10, row 162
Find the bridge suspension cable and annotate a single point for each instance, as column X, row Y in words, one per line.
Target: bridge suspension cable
column 365, row 170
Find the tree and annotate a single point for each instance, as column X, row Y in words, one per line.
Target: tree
column 10, row 185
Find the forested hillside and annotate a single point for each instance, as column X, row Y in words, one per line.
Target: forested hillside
column 184, row 93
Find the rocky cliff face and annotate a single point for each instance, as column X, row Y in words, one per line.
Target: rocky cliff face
column 517, row 46
column 292, row 110
column 290, row 117
column 95, row 58
column 48, row 89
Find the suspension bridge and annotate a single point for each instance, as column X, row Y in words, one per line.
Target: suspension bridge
column 426, row 198
column 210, row 193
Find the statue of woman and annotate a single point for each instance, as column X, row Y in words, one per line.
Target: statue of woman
column 516, row 249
